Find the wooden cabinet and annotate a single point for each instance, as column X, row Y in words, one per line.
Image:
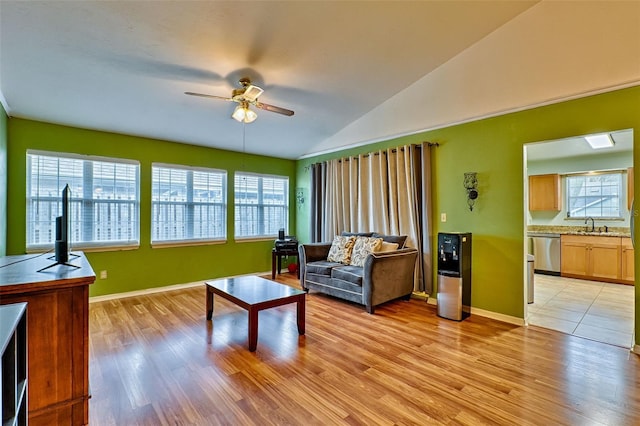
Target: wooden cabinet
column 604, row 258
column 544, row 192
column 628, row 268
column 13, row 368
column 574, row 256
column 58, row 334
column 597, row 258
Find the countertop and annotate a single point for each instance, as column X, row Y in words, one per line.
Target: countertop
column 555, row 231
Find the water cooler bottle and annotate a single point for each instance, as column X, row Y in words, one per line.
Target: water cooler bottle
column 454, row 275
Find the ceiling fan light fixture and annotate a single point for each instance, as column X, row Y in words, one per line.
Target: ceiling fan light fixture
column 243, row 114
column 600, row 141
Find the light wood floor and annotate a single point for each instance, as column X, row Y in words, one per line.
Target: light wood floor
column 155, row 360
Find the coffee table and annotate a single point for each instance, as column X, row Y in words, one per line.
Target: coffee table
column 255, row 294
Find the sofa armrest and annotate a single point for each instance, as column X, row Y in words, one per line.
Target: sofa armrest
column 311, row 253
column 388, row 275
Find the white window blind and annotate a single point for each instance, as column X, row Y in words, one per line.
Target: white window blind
column 594, row 195
column 104, row 204
column 261, row 205
column 188, row 204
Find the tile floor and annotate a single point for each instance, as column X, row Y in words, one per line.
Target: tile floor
column 597, row 311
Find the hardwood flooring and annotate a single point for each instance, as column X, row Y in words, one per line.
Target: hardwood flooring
column 155, row 360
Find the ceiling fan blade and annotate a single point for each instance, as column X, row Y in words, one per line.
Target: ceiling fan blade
column 274, row 108
column 252, row 92
column 208, row 96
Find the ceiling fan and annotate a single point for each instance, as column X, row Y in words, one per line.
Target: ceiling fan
column 247, row 95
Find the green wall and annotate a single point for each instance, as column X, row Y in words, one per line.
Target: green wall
column 144, row 267
column 3, row 181
column 493, row 147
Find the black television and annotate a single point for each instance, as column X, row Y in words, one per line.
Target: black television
column 62, row 229
column 63, row 234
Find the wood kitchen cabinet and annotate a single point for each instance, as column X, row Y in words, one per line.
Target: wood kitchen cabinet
column 597, row 258
column 627, row 268
column 544, row 192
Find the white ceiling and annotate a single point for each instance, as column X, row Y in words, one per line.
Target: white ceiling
column 578, row 147
column 122, row 66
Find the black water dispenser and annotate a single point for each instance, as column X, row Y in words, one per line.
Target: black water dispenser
column 454, row 275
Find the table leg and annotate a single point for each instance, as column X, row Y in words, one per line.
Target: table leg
column 298, row 266
column 279, row 264
column 209, row 302
column 273, row 265
column 253, row 329
column 300, row 304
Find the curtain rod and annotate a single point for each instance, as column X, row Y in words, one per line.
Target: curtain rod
column 417, row 146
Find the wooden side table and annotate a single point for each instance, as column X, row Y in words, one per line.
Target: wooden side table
column 276, row 260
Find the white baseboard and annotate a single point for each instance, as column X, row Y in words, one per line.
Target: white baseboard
column 497, row 316
column 475, row 311
column 161, row 289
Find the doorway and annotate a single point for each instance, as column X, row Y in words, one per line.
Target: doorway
column 590, row 207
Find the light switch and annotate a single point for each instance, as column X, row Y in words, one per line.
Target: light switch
column 443, row 217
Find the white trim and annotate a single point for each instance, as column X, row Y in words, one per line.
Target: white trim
column 5, row 104
column 497, row 316
column 552, row 101
column 162, row 289
column 84, row 157
column 488, row 314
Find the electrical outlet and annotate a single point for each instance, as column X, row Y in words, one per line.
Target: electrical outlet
column 103, row 275
column 443, row 217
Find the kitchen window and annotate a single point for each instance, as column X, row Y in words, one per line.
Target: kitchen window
column 104, row 204
column 261, row 205
column 188, row 204
column 596, row 195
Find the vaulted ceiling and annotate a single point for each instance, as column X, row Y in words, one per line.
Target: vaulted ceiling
column 123, row 66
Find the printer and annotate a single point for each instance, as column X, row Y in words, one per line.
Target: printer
column 287, row 243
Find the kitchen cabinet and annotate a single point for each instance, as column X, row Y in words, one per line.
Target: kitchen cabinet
column 544, row 192
column 598, row 258
column 627, row 268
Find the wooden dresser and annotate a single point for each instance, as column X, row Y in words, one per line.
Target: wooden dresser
column 58, row 334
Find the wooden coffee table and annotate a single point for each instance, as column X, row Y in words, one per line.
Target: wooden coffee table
column 255, row 294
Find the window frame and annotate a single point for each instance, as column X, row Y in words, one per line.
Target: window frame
column 261, row 206
column 189, row 204
column 83, row 203
column 621, row 194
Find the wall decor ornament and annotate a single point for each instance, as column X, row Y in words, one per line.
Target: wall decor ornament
column 300, row 196
column 471, row 185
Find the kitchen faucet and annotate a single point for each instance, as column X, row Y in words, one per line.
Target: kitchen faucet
column 593, row 224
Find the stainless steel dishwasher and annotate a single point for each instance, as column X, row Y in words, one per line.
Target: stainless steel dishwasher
column 546, row 252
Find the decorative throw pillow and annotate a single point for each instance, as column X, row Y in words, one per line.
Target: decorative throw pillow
column 362, row 248
column 385, row 247
column 340, row 250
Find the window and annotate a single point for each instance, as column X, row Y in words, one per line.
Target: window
column 594, row 195
column 104, row 205
column 188, row 204
column 261, row 205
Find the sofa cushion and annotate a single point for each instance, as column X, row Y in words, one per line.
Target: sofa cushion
column 362, row 248
column 386, row 247
column 321, row 267
column 400, row 239
column 351, row 274
column 340, row 250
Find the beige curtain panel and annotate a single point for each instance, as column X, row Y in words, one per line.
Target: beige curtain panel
column 388, row 191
